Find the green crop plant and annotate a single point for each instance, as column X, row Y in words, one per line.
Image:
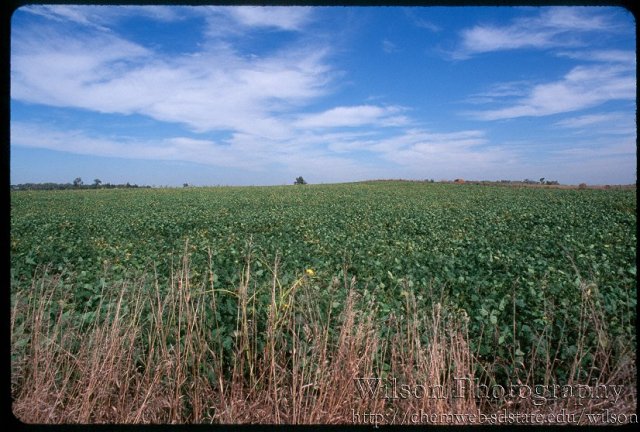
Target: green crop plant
column 543, row 276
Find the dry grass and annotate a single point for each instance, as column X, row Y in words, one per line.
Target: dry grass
column 153, row 354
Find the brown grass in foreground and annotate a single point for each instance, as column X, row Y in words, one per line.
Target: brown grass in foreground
column 148, row 356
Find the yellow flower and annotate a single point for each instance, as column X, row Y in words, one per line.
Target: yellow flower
column 310, row 272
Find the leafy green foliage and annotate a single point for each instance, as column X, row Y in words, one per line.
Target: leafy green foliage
column 511, row 258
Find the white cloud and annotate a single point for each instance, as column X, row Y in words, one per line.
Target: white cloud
column 429, row 141
column 214, row 89
column 283, row 18
column 485, row 39
column 575, row 18
column 53, row 69
column 222, row 20
column 231, row 21
column 583, row 87
column 623, row 57
column 406, row 150
column 607, row 74
column 618, row 123
column 349, row 116
column 552, row 28
column 100, row 17
column 82, row 15
column 172, row 148
column 500, row 91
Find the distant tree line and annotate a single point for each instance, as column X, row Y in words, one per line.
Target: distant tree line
column 76, row 184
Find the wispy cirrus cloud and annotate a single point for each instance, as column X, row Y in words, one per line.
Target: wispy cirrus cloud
column 500, row 91
column 100, row 17
column 75, row 67
column 290, row 18
column 232, row 153
column 227, row 22
column 216, row 88
column 582, row 87
column 230, row 20
column 69, row 13
column 606, row 123
column 552, row 28
column 350, row 116
column 605, row 74
column 591, row 119
column 428, row 141
column 617, row 56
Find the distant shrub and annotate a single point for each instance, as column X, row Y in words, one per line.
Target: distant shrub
column 582, row 186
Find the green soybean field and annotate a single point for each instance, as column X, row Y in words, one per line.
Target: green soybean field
column 539, row 283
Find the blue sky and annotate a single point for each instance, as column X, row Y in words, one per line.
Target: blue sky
column 260, row 95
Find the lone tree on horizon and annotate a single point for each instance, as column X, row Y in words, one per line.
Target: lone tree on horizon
column 299, row 181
